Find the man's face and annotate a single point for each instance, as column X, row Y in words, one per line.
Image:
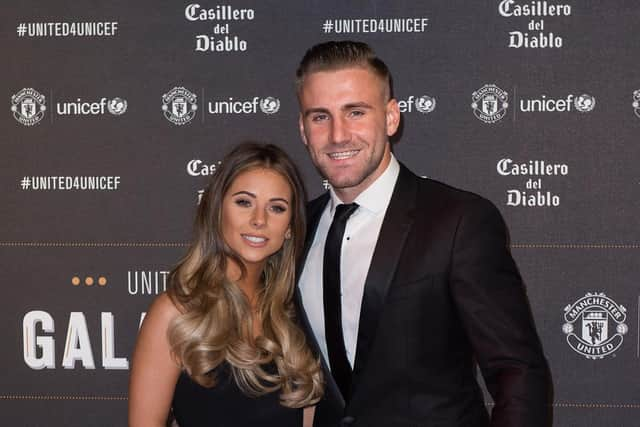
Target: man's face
column 345, row 122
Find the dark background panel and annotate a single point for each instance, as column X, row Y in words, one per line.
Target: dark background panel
column 65, row 412
column 561, row 278
column 588, row 243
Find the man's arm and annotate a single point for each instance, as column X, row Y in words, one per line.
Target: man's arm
column 495, row 313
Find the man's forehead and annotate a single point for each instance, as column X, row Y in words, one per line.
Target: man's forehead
column 344, row 77
column 363, row 70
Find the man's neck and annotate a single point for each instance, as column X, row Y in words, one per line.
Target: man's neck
column 349, row 194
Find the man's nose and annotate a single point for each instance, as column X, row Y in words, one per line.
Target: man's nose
column 339, row 132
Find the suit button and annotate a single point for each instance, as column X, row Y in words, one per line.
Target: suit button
column 348, row 420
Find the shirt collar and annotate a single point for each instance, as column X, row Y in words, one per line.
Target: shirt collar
column 376, row 197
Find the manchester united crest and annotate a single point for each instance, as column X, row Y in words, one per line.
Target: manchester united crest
column 28, row 106
column 489, row 103
column 179, row 105
column 594, row 325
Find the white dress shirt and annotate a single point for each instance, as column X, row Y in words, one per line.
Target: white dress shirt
column 358, row 244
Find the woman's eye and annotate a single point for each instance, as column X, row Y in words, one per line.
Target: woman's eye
column 243, row 202
column 278, row 208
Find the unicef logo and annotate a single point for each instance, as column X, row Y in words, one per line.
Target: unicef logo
column 584, row 103
column 270, row 105
column 425, row 104
column 636, row 102
column 117, row 106
column 594, row 325
column 489, row 103
column 28, row 106
column 179, row 105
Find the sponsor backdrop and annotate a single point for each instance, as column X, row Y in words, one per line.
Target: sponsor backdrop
column 117, row 112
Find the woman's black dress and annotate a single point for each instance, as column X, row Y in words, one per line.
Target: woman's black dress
column 226, row 406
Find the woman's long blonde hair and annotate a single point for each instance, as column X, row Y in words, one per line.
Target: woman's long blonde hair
column 216, row 321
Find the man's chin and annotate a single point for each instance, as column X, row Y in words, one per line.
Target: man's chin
column 339, row 183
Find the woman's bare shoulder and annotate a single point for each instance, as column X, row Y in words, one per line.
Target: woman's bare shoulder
column 162, row 309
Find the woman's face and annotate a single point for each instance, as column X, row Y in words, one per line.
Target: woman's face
column 256, row 215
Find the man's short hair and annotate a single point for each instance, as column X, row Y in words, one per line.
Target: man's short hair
column 338, row 55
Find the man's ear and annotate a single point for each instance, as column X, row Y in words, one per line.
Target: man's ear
column 392, row 116
column 301, row 127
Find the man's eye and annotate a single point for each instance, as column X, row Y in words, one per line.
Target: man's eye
column 357, row 113
column 319, row 117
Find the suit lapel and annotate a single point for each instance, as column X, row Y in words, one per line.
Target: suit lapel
column 316, row 207
column 314, row 212
column 393, row 234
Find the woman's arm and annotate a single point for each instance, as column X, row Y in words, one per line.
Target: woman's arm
column 307, row 416
column 154, row 372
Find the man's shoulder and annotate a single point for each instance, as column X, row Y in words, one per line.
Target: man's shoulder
column 435, row 188
column 431, row 192
column 318, row 202
column 443, row 189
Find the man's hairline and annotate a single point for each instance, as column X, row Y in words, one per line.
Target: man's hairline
column 299, row 83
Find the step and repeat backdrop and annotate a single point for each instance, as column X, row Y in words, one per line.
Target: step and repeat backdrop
column 116, row 114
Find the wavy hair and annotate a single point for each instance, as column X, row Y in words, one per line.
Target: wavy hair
column 216, row 320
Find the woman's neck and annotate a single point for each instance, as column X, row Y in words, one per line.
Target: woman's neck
column 250, row 284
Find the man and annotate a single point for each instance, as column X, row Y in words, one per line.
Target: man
column 407, row 283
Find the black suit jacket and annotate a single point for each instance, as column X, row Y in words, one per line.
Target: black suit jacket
column 442, row 294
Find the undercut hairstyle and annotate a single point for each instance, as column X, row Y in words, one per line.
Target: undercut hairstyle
column 339, row 55
column 216, row 321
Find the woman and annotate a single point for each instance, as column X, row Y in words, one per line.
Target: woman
column 221, row 346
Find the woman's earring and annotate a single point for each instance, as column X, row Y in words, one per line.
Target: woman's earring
column 287, row 234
